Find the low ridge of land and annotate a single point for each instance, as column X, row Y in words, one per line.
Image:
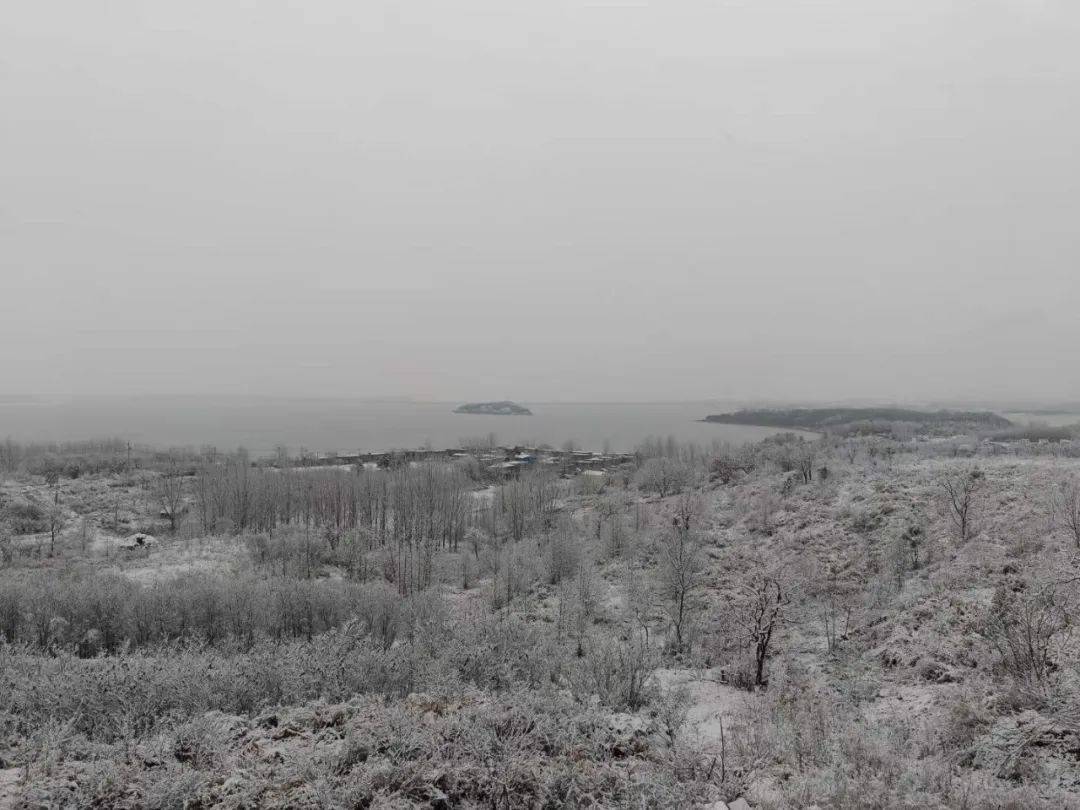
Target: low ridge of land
column 866, row 420
column 501, row 408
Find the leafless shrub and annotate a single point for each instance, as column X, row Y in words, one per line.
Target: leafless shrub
column 516, row 567
column 730, row 463
column 850, row 447
column 862, row 519
column 792, row 722
column 85, row 534
column 638, row 597
column 578, row 602
column 899, row 560
column 24, row 516
column 761, row 512
column 965, row 721
column 11, row 613
column 608, row 514
column 7, row 547
column 790, row 452
column 379, row 608
column 563, row 554
column 672, row 706
column 621, row 674
column 202, row 741
column 837, row 601
column 1027, row 630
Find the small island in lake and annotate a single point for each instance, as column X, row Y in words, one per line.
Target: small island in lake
column 504, row 408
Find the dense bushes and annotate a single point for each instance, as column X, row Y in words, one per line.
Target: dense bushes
column 24, row 516
column 103, row 612
column 135, row 692
column 525, row 747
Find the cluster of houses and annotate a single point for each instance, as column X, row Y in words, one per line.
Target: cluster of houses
column 970, row 447
column 498, row 462
column 510, row 462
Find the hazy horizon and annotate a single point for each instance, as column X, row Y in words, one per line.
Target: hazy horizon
column 544, row 202
column 1015, row 405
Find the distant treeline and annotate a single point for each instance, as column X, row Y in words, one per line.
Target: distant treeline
column 108, row 456
column 69, row 459
column 413, row 511
column 1036, row 432
column 865, row 420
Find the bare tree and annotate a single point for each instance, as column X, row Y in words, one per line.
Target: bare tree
column 851, row 449
column 766, row 614
column 169, row 490
column 915, row 538
column 476, row 539
column 680, row 568
column 86, row 533
column 805, row 457
column 898, row 560
column 609, row 510
column 563, row 554
column 835, row 616
column 757, row 611
column 961, row 493
column 638, row 606
column 584, row 595
column 1067, row 509
column 57, row 519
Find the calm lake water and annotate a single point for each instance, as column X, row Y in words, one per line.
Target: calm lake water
column 260, row 424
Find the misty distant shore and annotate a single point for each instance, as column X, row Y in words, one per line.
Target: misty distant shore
column 500, row 408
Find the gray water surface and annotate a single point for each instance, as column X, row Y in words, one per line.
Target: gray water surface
column 319, row 425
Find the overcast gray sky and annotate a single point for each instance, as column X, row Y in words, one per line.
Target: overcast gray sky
column 541, row 199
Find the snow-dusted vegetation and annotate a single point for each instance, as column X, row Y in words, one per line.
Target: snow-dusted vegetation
column 850, row 622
